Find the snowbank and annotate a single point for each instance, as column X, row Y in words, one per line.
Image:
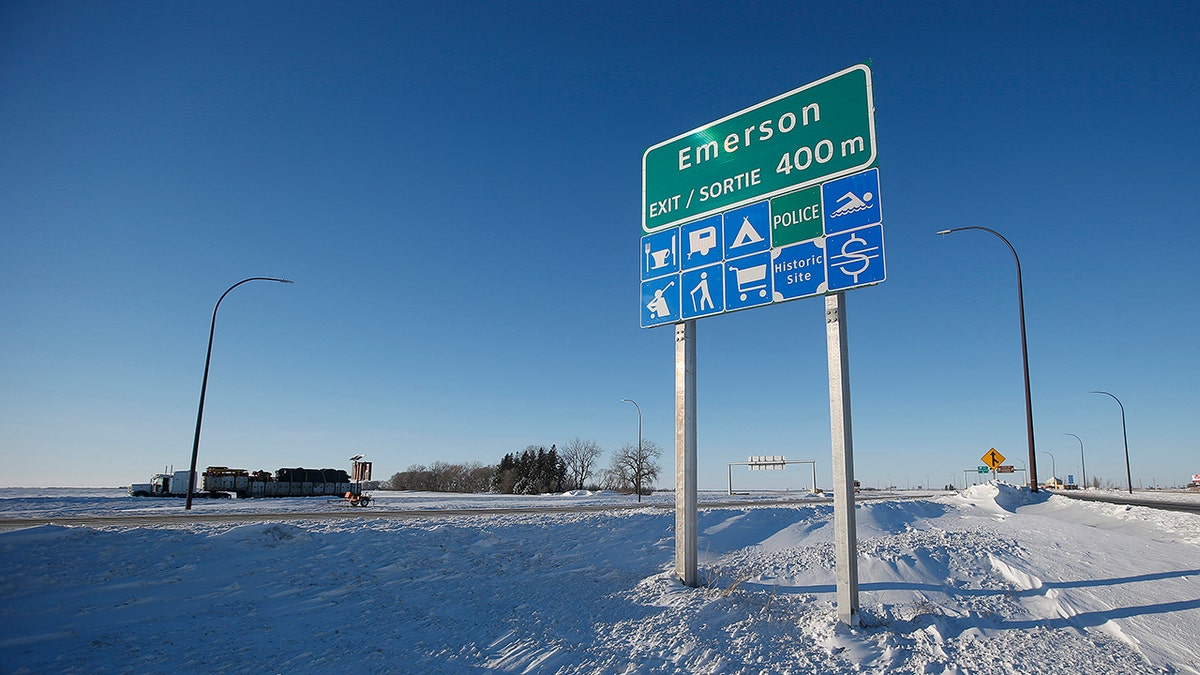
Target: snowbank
column 989, row 581
column 1004, row 496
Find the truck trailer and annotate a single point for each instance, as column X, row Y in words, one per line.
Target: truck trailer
column 222, row 481
column 297, row 482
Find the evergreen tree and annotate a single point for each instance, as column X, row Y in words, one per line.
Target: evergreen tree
column 534, row 471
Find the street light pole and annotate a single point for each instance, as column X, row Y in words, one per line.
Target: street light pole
column 1128, row 476
column 204, row 384
column 1033, row 483
column 1053, row 466
column 637, row 488
column 1081, row 462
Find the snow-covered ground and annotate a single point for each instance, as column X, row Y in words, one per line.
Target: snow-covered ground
column 991, row 580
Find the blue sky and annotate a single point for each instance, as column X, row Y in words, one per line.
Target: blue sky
column 455, row 189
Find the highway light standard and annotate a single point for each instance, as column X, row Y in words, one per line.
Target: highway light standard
column 639, row 410
column 1128, row 477
column 1053, row 467
column 1033, row 483
column 1081, row 462
column 204, row 384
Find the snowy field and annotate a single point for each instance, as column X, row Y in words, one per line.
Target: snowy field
column 991, row 580
column 77, row 502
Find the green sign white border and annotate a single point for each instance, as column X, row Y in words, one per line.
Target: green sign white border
column 759, row 196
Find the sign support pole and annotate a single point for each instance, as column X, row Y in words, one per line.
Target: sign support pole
column 845, row 532
column 685, row 453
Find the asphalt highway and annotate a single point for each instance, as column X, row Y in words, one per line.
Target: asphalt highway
column 1186, row 507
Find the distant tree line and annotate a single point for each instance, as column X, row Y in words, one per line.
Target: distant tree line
column 444, row 477
column 536, row 470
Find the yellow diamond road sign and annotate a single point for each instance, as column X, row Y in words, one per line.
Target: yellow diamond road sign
column 993, row 458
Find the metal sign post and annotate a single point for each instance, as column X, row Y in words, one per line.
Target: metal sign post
column 686, row 545
column 844, row 530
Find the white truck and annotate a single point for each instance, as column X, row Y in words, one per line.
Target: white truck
column 174, row 484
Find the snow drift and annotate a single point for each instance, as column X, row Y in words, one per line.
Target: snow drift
column 992, row 580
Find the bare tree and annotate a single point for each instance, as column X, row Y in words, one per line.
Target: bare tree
column 635, row 467
column 580, row 456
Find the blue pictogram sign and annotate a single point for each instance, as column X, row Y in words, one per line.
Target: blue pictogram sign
column 748, row 230
column 748, row 281
column 660, row 254
column 703, row 291
column 851, row 202
column 660, row 301
column 855, row 258
column 701, row 243
column 798, row 270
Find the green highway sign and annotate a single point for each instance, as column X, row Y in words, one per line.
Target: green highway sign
column 809, row 135
column 984, row 469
